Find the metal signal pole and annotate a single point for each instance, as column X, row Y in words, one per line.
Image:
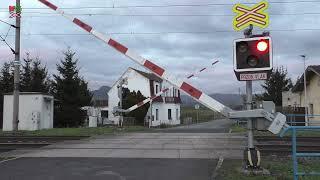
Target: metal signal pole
column 16, row 72
column 305, row 90
column 248, row 33
column 249, row 107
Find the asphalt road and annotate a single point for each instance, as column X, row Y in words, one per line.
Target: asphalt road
column 186, row 152
column 106, row 169
column 215, row 126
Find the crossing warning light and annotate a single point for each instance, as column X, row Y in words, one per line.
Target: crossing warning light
column 253, row 54
column 262, row 46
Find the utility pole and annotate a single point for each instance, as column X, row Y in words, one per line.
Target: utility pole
column 123, row 81
column 15, row 116
column 305, row 90
column 120, row 103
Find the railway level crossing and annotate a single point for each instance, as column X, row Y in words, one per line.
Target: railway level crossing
column 277, row 120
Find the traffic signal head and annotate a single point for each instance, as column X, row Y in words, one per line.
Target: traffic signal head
column 252, row 54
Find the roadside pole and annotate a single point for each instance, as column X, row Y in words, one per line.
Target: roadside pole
column 251, row 155
column 120, row 94
column 247, row 34
column 306, row 117
column 15, row 120
column 120, row 104
column 197, row 107
column 197, row 116
column 249, row 107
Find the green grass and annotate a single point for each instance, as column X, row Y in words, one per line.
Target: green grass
column 75, row 131
column 313, row 133
column 280, row 169
column 204, row 114
column 237, row 129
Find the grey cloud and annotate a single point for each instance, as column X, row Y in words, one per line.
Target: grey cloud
column 179, row 53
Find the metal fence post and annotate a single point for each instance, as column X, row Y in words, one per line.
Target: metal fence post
column 294, row 154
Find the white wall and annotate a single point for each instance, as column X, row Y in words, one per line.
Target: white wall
column 163, row 113
column 30, row 107
column 290, row 99
column 136, row 82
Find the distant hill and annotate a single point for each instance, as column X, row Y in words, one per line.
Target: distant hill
column 101, row 93
column 231, row 100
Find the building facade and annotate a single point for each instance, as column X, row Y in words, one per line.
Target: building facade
column 35, row 111
column 296, row 96
column 163, row 110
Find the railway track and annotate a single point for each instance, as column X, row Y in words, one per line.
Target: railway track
column 51, row 139
column 8, row 143
column 282, row 146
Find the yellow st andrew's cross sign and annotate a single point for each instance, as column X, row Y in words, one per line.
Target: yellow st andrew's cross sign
column 250, row 15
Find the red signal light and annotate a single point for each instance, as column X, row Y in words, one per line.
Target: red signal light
column 262, row 46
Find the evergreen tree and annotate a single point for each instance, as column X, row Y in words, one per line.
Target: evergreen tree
column 132, row 98
column 34, row 76
column 39, row 76
column 6, row 85
column 25, row 84
column 71, row 91
column 276, row 84
column 6, row 78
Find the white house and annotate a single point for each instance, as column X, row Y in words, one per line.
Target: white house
column 35, row 111
column 163, row 110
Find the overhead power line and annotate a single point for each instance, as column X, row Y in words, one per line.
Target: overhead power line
column 179, row 5
column 165, row 32
column 163, row 15
column 7, row 23
column 4, row 40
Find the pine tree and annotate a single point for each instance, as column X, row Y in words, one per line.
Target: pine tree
column 6, row 78
column 6, row 84
column 39, row 76
column 276, row 84
column 71, row 91
column 25, row 84
column 132, row 98
column 34, row 76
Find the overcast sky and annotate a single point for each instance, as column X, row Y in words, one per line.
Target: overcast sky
column 181, row 44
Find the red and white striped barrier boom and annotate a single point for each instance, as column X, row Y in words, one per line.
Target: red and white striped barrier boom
column 164, row 90
column 157, row 70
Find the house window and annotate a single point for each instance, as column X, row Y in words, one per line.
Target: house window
column 105, row 114
column 169, row 114
column 311, row 109
column 157, row 114
column 157, row 89
column 177, row 114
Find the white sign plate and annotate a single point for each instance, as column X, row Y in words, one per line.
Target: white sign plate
column 277, row 123
column 253, row 76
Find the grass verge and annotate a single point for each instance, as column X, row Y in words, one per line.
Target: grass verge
column 280, row 169
column 305, row 133
column 75, row 131
column 237, row 129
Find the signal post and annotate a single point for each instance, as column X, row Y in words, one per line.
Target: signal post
column 252, row 61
